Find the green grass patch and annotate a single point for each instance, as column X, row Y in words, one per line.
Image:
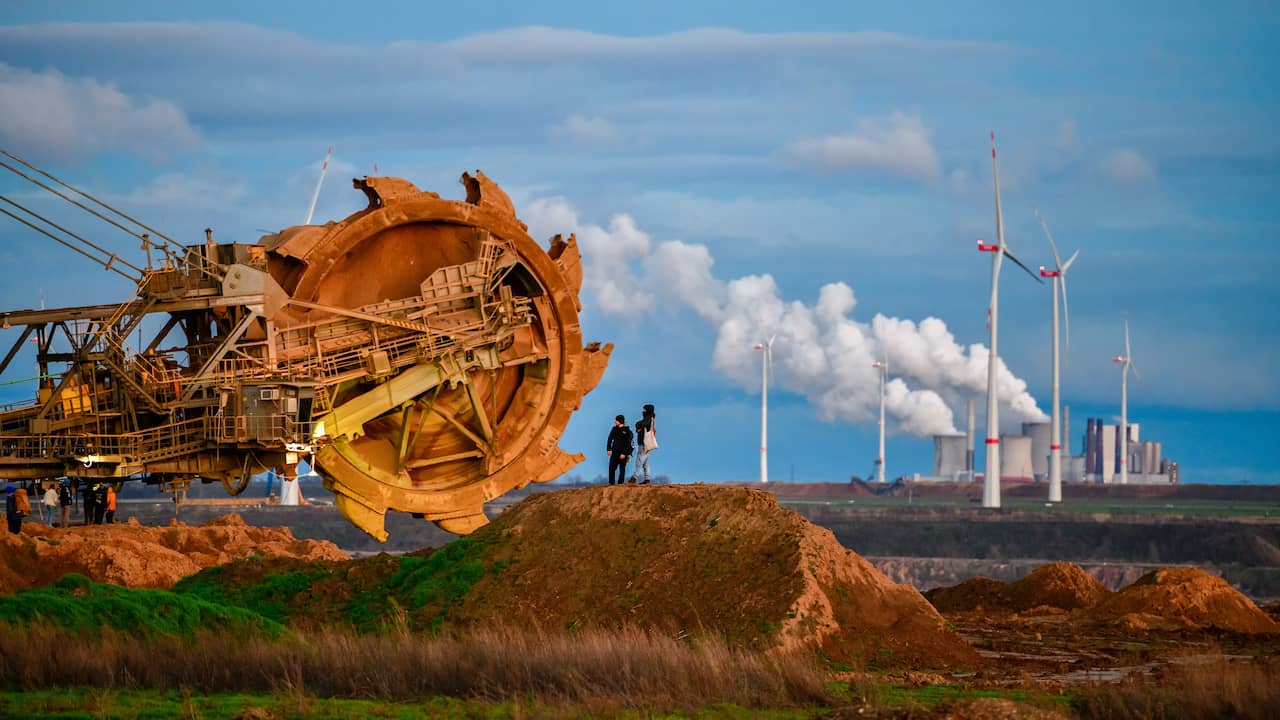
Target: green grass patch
column 78, row 604
column 929, row 697
column 273, row 597
column 413, row 590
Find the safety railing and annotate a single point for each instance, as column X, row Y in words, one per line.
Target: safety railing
column 170, row 440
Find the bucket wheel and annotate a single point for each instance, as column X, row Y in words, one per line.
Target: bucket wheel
column 464, row 395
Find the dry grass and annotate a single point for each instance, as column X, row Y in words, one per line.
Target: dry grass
column 628, row 668
column 1220, row 688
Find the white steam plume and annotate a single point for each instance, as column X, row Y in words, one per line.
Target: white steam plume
column 821, row 352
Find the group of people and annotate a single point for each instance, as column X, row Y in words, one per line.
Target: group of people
column 99, row 504
column 623, row 444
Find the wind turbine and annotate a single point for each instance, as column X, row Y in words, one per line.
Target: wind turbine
column 883, row 367
column 991, row 479
column 766, row 349
column 1126, row 363
column 316, row 195
column 1059, row 275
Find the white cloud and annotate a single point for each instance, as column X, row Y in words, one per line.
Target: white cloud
column 49, row 113
column 1128, row 167
column 612, row 251
column 822, row 352
column 899, row 144
column 588, row 130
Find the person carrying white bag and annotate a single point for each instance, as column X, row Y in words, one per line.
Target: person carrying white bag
column 646, row 442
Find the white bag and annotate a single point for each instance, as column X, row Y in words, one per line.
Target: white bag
column 651, row 437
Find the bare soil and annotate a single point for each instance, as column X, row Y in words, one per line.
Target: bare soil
column 701, row 559
column 134, row 555
column 1168, row 598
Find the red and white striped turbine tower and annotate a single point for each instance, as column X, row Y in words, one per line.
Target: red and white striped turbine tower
column 1059, row 275
column 991, row 480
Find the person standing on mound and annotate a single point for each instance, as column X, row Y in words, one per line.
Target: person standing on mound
column 620, row 445
column 646, row 442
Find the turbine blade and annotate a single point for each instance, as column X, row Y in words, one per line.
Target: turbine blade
column 1134, row 368
column 1057, row 261
column 1128, row 355
column 1066, row 313
column 1024, row 267
column 324, row 168
column 1070, row 260
column 995, row 177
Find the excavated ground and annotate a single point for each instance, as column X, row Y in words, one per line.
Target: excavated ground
column 703, row 559
column 133, row 555
column 685, row 560
column 1059, row 625
column 1169, row 598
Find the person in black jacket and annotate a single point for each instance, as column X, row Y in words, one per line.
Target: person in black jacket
column 620, row 445
column 99, row 502
column 64, row 500
column 11, row 511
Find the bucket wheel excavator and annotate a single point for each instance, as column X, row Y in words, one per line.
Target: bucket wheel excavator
column 427, row 351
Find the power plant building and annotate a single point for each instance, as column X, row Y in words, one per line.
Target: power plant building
column 1102, row 456
column 1026, row 457
column 1015, row 458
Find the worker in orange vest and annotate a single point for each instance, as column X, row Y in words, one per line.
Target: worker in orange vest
column 111, row 504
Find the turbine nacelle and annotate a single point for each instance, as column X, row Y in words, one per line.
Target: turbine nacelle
column 1049, row 273
column 983, row 247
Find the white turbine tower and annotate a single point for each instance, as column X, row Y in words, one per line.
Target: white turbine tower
column 883, row 367
column 1059, row 275
column 1126, row 363
column 766, row 351
column 991, row 479
column 316, row 195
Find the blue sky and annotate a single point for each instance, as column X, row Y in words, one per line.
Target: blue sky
column 820, row 171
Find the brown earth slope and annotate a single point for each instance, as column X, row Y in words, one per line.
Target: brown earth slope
column 1188, row 598
column 132, row 555
column 1171, row 598
column 1060, row 585
column 701, row 560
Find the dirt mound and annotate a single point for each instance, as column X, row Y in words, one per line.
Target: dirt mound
column 980, row 593
column 133, row 555
column 1188, row 598
column 1060, row 585
column 701, row 560
column 1057, row 585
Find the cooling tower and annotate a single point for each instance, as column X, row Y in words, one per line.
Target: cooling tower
column 1039, row 432
column 1015, row 458
column 949, row 455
